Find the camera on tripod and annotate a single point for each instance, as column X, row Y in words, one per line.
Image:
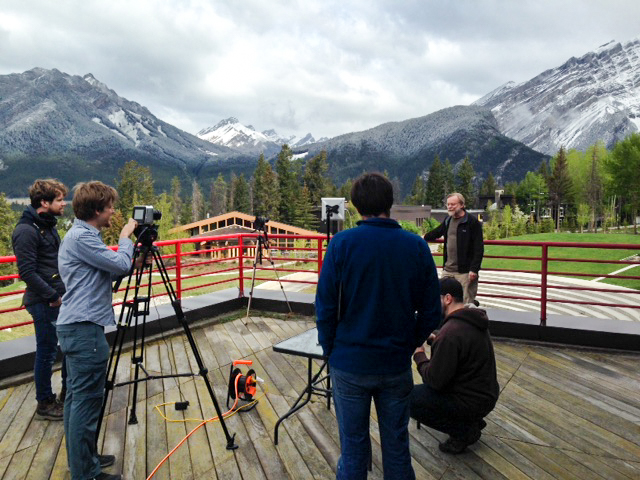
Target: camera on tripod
column 147, row 231
column 145, row 215
column 260, row 223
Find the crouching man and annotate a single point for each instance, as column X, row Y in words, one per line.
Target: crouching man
column 460, row 383
column 87, row 268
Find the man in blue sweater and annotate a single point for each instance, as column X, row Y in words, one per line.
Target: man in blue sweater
column 378, row 299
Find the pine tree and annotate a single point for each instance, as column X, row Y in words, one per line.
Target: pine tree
column 197, row 202
column 241, row 195
column 416, row 197
column 489, row 186
column 134, row 186
column 304, row 210
column 315, row 177
column 230, row 192
column 448, row 180
column 218, row 196
column 287, row 185
column 435, row 184
column 560, row 185
column 464, row 184
column 266, row 196
column 175, row 200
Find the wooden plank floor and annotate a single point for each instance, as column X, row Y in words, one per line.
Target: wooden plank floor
column 563, row 413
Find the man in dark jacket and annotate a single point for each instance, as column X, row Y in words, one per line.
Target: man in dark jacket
column 35, row 243
column 460, row 382
column 463, row 246
column 377, row 300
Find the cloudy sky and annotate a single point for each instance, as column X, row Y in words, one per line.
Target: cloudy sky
column 325, row 67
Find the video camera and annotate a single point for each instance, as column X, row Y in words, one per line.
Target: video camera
column 146, row 214
column 260, row 223
column 147, row 231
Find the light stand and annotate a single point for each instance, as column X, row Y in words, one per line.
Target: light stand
column 137, row 309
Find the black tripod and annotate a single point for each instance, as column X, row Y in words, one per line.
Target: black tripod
column 137, row 309
column 263, row 245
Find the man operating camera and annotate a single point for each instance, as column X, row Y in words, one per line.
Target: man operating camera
column 87, row 268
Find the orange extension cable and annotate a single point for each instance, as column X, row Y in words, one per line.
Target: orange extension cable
column 226, row 414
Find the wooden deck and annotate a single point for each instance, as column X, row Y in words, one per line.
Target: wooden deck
column 563, row 413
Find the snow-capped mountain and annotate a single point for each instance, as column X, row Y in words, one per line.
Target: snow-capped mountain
column 74, row 127
column 592, row 98
column 233, row 134
column 408, row 148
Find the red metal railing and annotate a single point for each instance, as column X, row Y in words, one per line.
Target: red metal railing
column 240, row 248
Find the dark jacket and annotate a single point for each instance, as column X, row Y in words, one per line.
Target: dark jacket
column 35, row 243
column 378, row 298
column 469, row 240
column 462, row 361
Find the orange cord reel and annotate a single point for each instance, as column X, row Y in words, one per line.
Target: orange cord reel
column 242, row 386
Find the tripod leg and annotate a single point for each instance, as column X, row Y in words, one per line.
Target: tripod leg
column 253, row 276
column 116, row 348
column 137, row 354
column 275, row 270
column 175, row 302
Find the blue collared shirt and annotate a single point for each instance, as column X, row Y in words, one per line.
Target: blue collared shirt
column 87, row 268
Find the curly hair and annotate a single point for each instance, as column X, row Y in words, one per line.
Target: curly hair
column 47, row 190
column 92, row 197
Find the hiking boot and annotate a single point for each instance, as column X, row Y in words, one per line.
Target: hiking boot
column 106, row 460
column 459, row 445
column 50, row 410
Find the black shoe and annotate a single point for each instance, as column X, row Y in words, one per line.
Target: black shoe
column 107, row 476
column 453, row 446
column 476, row 303
column 459, row 445
column 106, row 460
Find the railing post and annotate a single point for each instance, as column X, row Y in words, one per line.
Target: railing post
column 319, row 256
column 543, row 285
column 179, row 270
column 240, row 267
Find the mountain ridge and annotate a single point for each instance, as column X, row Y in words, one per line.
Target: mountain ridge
column 595, row 97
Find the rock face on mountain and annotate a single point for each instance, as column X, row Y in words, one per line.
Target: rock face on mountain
column 75, row 127
column 592, row 98
column 406, row 149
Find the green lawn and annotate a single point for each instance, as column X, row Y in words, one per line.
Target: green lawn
column 560, row 252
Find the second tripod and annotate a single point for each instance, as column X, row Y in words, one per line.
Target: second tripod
column 262, row 246
column 133, row 317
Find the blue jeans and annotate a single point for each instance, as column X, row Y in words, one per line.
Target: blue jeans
column 352, row 397
column 86, row 352
column 44, row 323
column 440, row 411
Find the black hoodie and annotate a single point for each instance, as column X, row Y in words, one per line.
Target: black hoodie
column 35, row 243
column 462, row 361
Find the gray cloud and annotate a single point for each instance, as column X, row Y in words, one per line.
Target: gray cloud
column 325, row 67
